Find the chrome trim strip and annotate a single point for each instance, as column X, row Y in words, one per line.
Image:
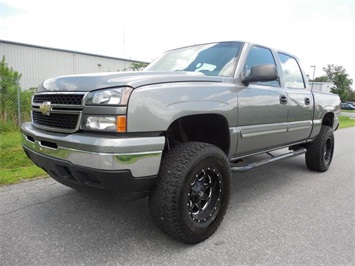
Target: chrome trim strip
column 62, row 93
column 61, row 111
column 263, row 133
column 262, row 130
column 317, row 121
column 294, row 126
column 61, row 106
column 139, row 163
column 298, row 128
column 115, row 143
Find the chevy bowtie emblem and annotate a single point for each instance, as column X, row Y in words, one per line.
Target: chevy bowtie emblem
column 45, row 108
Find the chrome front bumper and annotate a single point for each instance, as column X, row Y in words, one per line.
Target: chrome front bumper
column 141, row 156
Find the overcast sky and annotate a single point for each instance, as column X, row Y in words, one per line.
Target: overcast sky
column 318, row 32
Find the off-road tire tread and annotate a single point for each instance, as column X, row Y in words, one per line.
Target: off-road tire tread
column 314, row 155
column 163, row 201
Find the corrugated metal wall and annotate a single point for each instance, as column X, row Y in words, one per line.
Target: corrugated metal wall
column 39, row 63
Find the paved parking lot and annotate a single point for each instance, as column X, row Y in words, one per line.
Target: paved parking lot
column 352, row 114
column 279, row 214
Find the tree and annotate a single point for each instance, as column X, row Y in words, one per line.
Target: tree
column 342, row 83
column 352, row 96
column 331, row 69
column 321, row 79
column 138, row 66
column 341, row 80
column 9, row 79
column 135, row 66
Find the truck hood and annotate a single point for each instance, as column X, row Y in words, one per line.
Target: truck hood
column 90, row 82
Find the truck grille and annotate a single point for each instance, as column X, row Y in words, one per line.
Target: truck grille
column 56, row 121
column 59, row 112
column 67, row 99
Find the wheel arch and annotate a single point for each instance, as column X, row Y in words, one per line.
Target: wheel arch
column 208, row 128
column 328, row 119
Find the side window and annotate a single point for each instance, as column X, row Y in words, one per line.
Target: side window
column 292, row 72
column 260, row 56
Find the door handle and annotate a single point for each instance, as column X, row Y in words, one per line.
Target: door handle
column 307, row 101
column 283, row 99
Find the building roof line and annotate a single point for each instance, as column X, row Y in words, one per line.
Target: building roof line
column 69, row 51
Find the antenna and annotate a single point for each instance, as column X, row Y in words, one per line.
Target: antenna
column 314, row 72
column 124, row 47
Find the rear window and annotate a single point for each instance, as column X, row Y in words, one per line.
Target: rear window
column 292, row 72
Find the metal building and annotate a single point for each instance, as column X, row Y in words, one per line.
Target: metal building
column 37, row 63
column 322, row 86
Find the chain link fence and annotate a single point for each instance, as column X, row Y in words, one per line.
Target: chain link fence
column 15, row 104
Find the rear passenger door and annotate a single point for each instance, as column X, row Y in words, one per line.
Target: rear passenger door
column 300, row 99
column 262, row 108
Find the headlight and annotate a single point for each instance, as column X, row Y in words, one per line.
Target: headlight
column 104, row 123
column 117, row 96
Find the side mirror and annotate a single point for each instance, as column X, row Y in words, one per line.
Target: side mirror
column 261, row 73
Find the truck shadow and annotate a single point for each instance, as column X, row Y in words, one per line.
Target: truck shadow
column 88, row 224
column 250, row 186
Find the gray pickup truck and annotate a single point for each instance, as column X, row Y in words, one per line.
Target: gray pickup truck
column 177, row 130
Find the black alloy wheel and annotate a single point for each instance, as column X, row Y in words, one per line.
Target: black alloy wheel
column 205, row 195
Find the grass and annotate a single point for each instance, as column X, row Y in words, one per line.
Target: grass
column 346, row 121
column 16, row 167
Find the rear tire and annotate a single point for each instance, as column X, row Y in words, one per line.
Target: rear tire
column 319, row 153
column 191, row 196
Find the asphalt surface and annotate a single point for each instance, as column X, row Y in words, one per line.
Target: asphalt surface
column 352, row 114
column 279, row 214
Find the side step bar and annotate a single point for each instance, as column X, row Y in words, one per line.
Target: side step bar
column 273, row 158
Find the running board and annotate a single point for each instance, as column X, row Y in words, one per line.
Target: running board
column 250, row 166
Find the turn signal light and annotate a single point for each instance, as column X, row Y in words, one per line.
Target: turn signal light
column 121, row 124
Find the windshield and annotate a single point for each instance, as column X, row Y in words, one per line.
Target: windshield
column 216, row 59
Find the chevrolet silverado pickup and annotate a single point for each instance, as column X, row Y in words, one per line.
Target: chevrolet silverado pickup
column 177, row 130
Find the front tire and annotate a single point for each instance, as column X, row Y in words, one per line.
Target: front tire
column 191, row 196
column 319, row 153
